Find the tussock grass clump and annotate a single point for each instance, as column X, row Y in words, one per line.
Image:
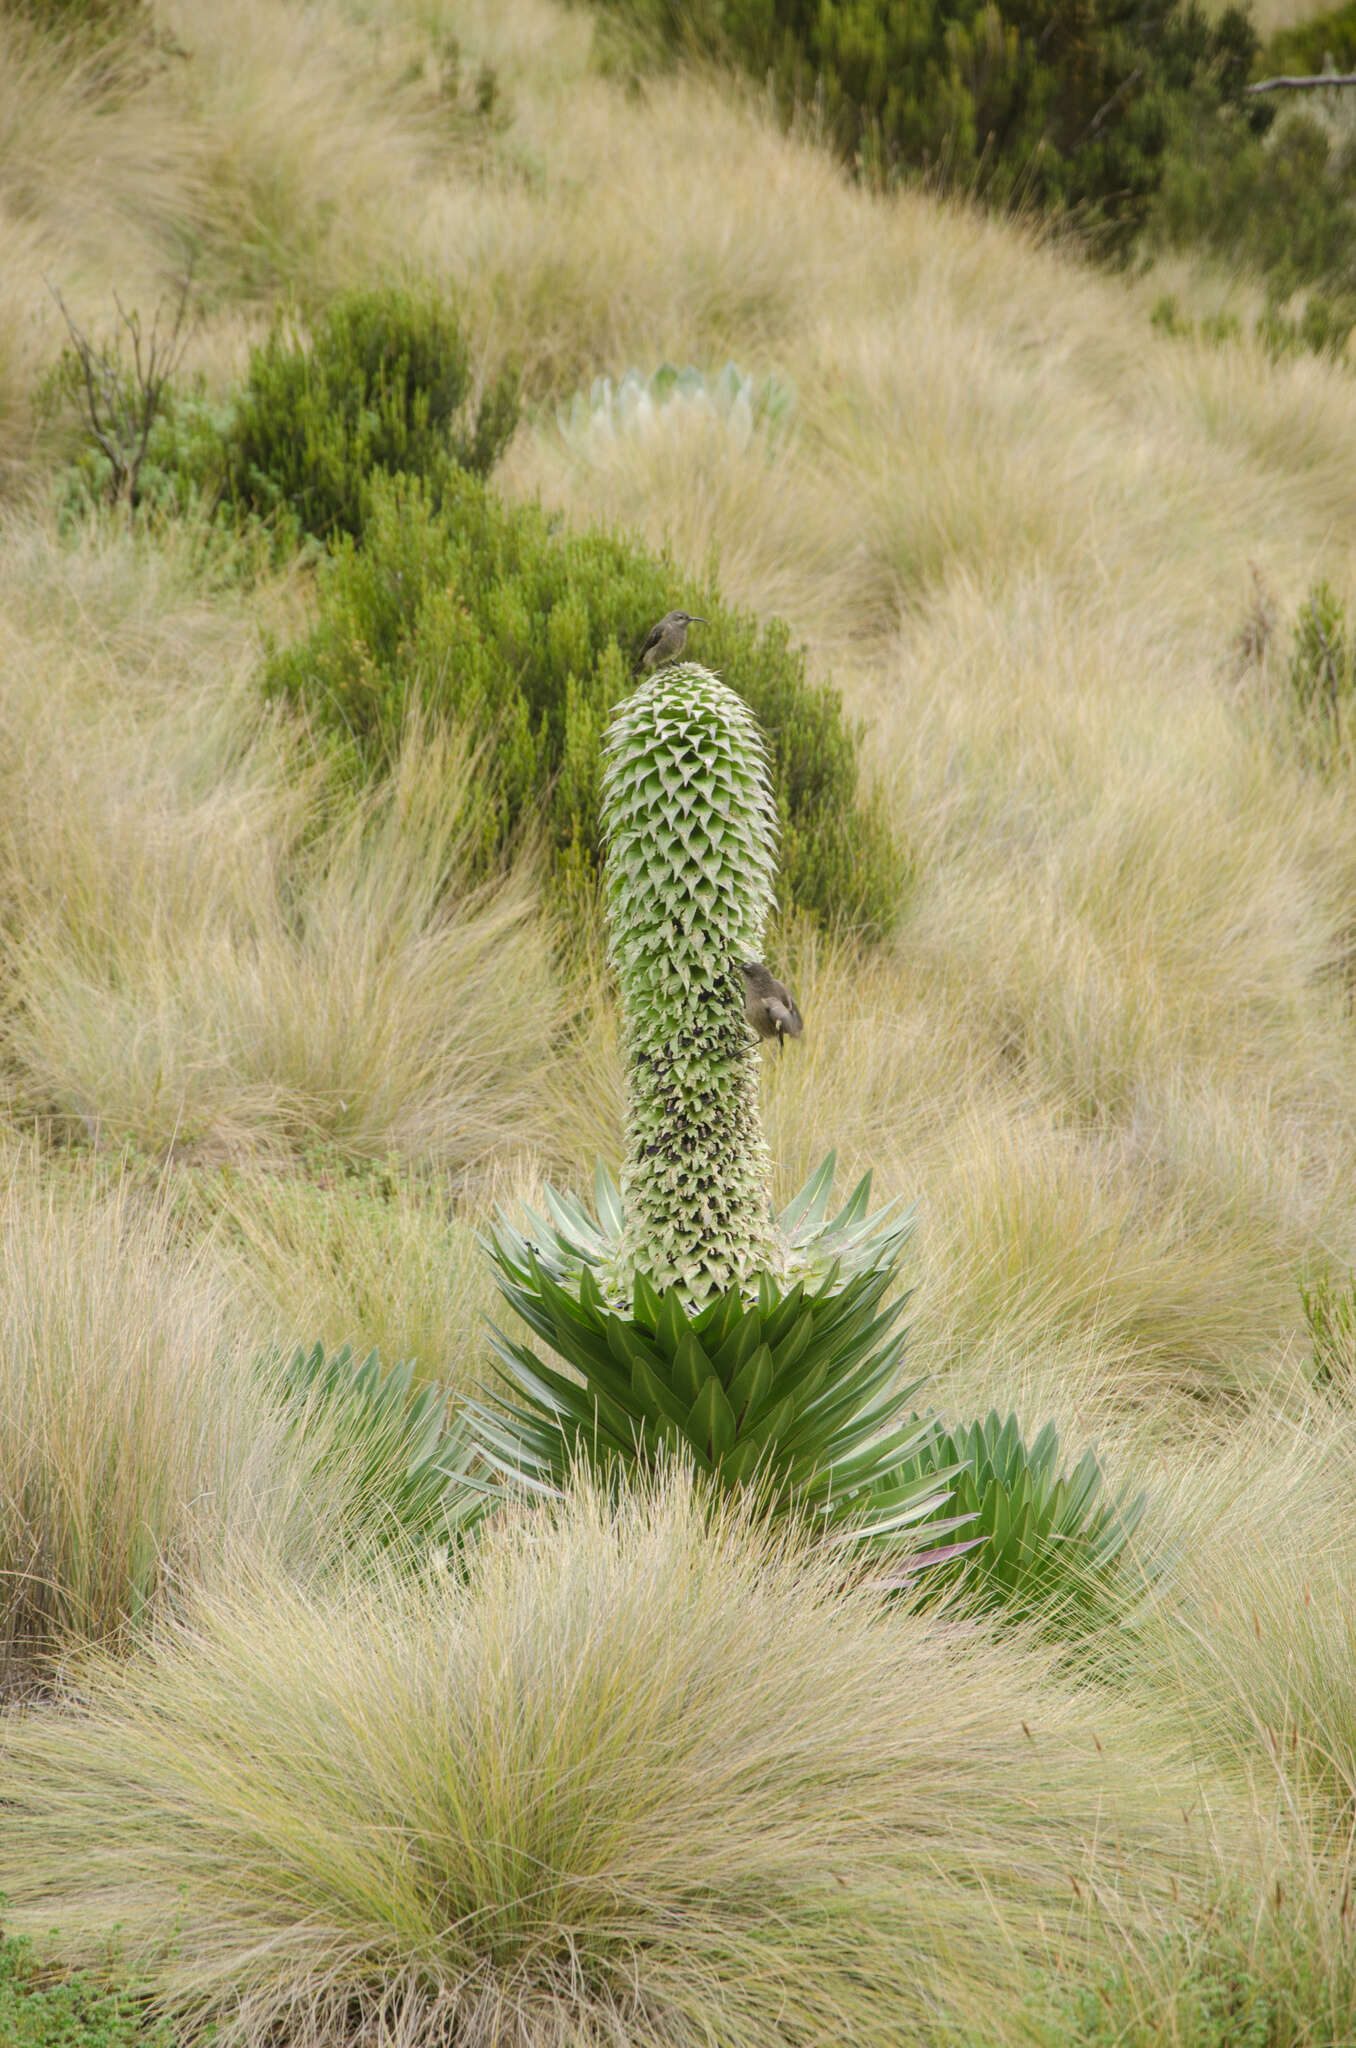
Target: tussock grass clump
column 359, row 992
column 644, row 1776
column 207, row 952
column 1251, row 1620
column 385, row 1260
column 132, row 1441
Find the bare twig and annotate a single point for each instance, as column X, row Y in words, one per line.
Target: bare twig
column 121, row 410
column 1307, row 84
column 1126, row 85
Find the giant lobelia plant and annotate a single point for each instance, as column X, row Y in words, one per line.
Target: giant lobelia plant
column 688, row 1317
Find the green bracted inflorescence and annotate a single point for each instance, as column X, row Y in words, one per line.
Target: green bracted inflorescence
column 691, row 831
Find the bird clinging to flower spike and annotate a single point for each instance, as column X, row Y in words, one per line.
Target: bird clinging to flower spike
column 768, row 1005
column 665, row 642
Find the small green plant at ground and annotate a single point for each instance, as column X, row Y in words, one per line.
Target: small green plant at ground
column 1215, row 328
column 182, row 471
column 484, row 614
column 384, row 383
column 1245, row 1973
column 41, row 2009
column 1321, row 328
column 1329, row 1311
column 1039, row 1541
column 1322, row 674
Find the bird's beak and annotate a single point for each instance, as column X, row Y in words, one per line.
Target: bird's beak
column 695, row 621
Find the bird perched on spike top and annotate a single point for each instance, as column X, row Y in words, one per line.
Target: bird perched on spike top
column 666, row 641
column 769, row 1006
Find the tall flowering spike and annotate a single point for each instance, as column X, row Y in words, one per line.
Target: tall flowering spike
column 691, row 831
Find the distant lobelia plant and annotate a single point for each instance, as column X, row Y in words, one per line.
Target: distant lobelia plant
column 695, row 1321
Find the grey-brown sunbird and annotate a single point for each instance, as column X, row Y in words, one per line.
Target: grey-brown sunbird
column 769, row 1006
column 666, row 641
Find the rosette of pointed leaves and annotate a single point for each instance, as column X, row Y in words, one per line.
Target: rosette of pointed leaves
column 790, row 1384
column 691, row 834
column 1042, row 1541
column 406, row 1465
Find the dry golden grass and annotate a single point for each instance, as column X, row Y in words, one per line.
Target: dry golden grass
column 1111, row 1053
column 195, row 962
column 644, row 1777
column 381, row 1262
column 133, row 1451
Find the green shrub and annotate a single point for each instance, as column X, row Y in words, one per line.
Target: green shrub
column 1282, row 206
column 384, row 385
column 486, row 614
column 38, row 2009
column 1051, row 1541
column 1028, row 103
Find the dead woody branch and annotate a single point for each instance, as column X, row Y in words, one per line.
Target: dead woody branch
column 122, row 404
column 1318, row 81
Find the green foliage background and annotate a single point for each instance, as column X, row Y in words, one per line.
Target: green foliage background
column 1036, row 103
column 464, row 607
column 384, row 384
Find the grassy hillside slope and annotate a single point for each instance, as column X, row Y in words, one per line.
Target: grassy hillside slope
column 1050, row 556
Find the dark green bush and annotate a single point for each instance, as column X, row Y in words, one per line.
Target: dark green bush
column 385, row 384
column 485, row 613
column 1283, row 207
column 1051, row 1541
column 1033, row 102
